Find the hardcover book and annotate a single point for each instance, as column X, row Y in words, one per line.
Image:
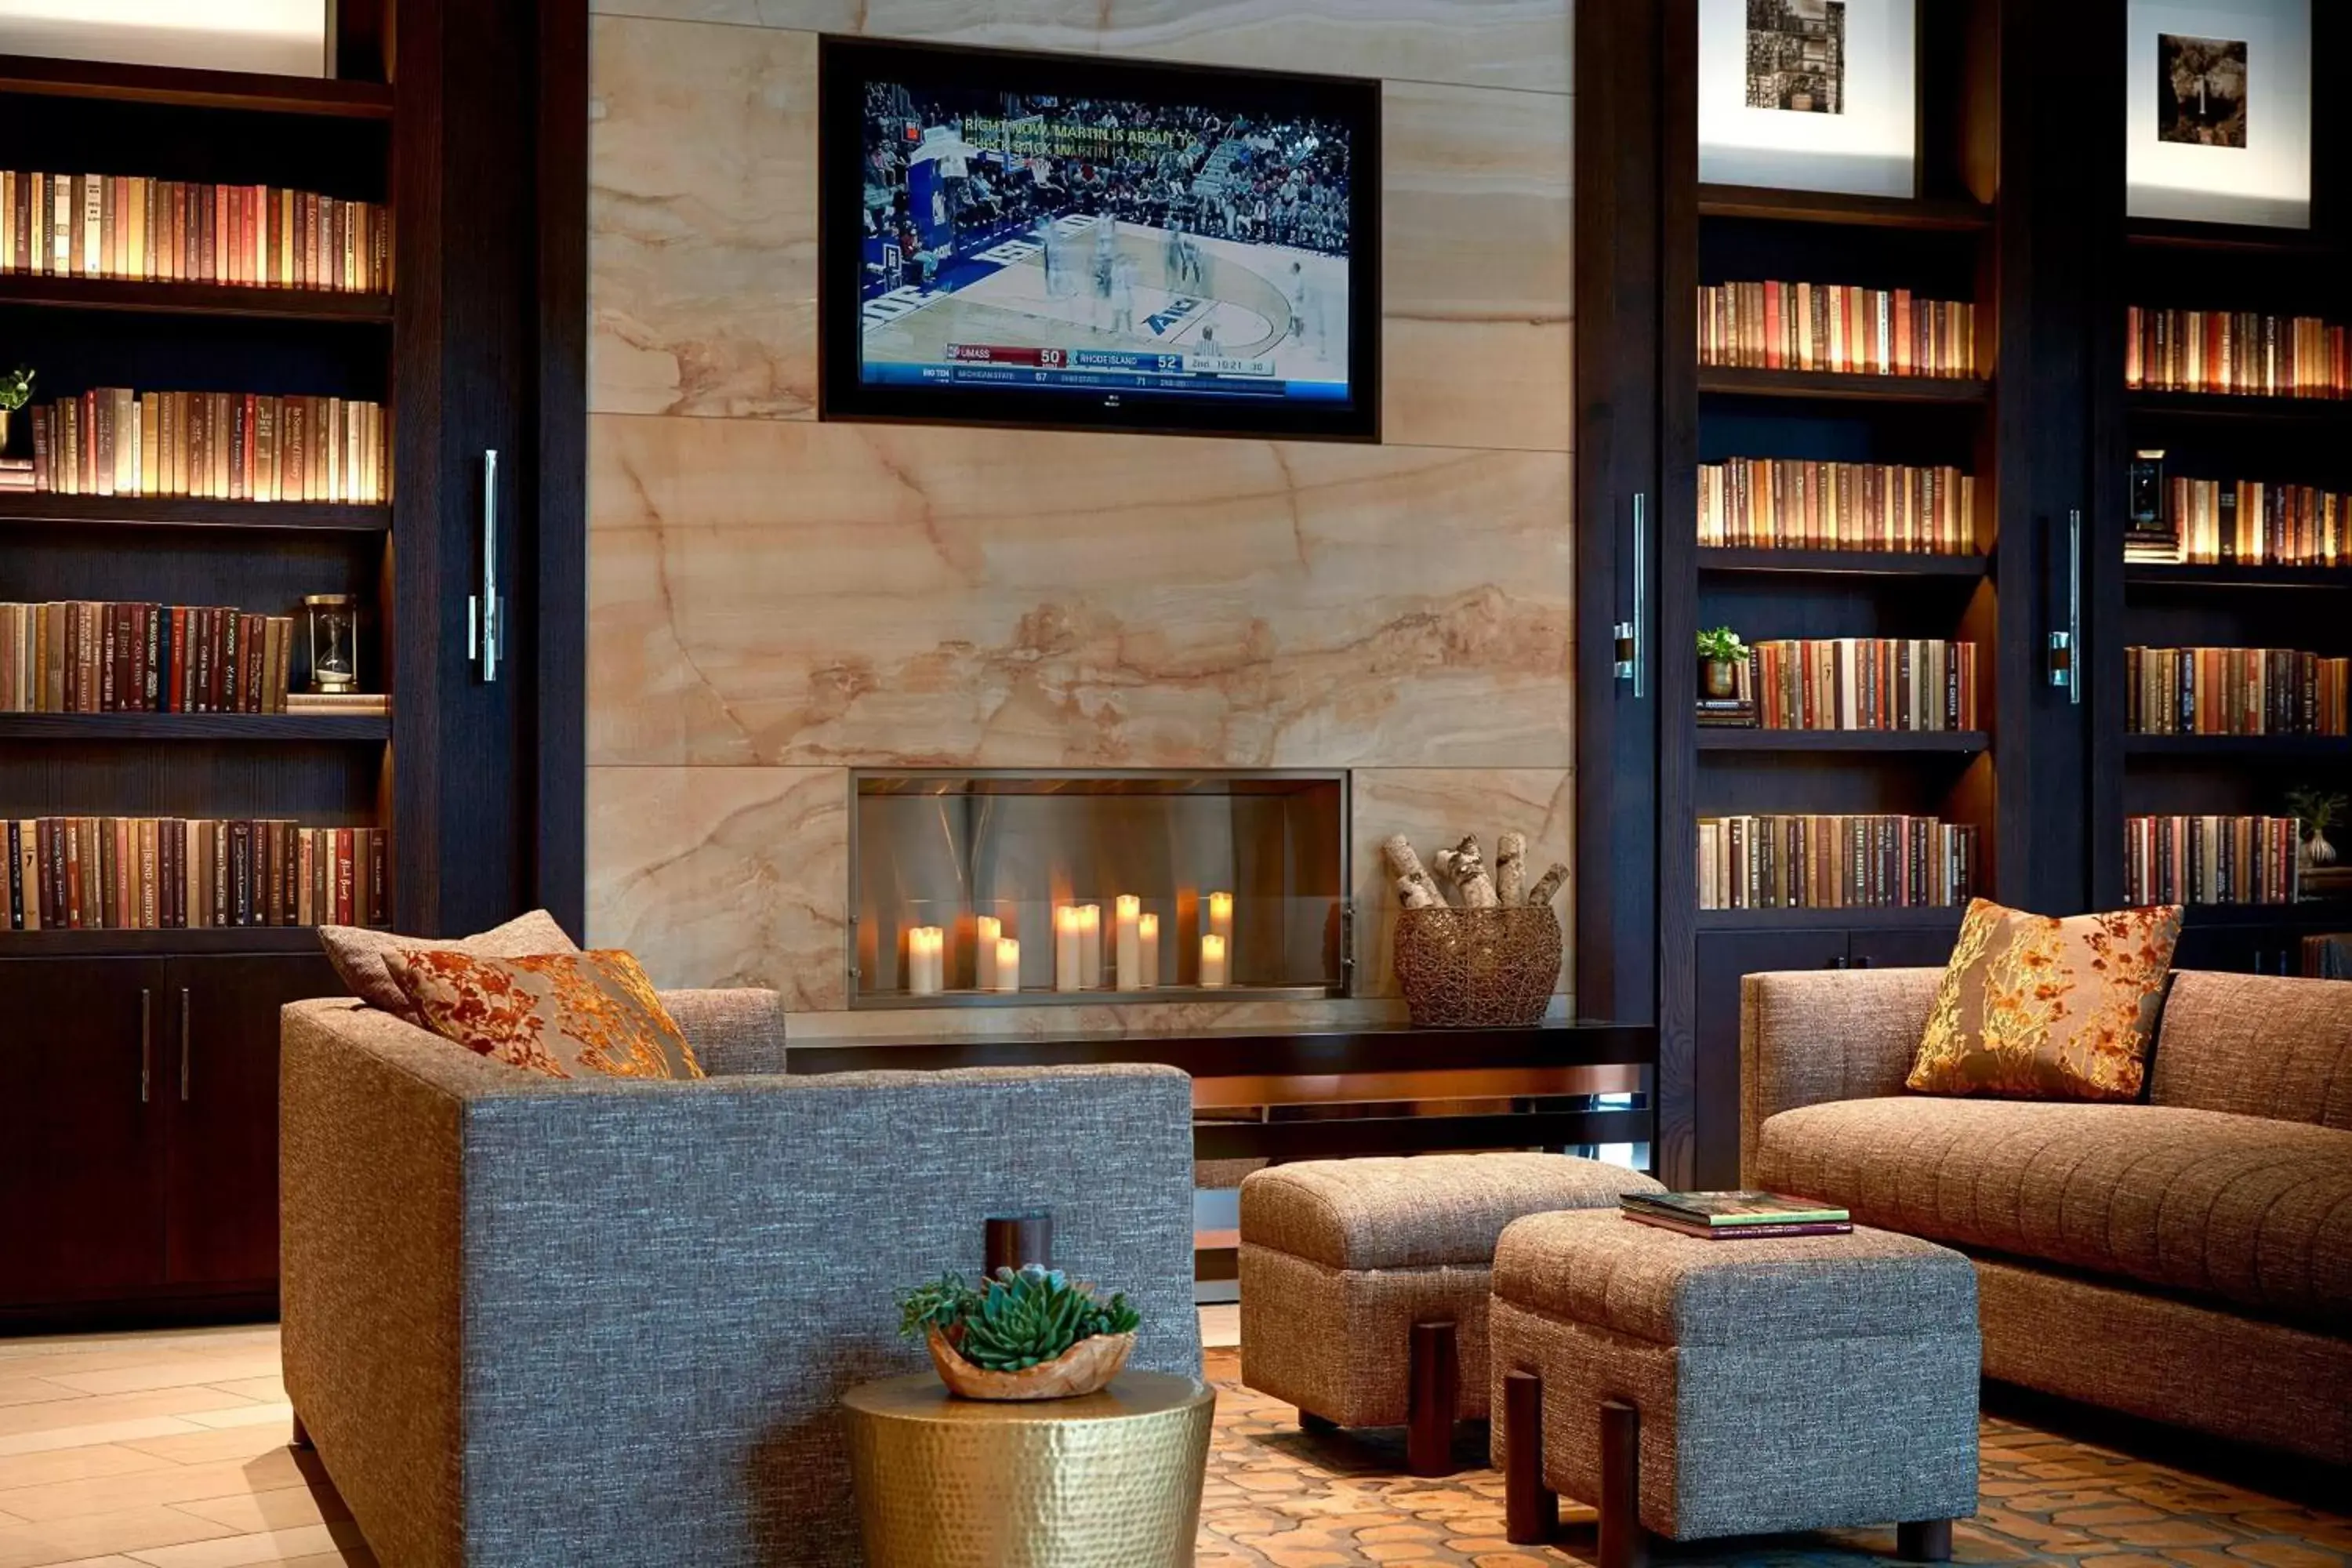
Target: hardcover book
column 1733, row 1209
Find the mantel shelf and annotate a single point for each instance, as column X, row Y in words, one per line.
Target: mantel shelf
column 174, row 299
column 182, row 512
column 1726, row 739
column 193, row 727
column 1841, row 563
column 326, row 96
column 1736, row 381
column 1856, row 211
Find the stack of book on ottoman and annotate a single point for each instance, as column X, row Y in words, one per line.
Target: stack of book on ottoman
column 1731, row 1217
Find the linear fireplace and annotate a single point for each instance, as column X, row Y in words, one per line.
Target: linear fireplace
column 996, row 888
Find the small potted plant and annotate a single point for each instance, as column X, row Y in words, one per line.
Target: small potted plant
column 2319, row 810
column 1025, row 1334
column 16, row 390
column 1721, row 653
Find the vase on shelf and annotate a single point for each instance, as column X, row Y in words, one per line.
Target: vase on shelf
column 1721, row 677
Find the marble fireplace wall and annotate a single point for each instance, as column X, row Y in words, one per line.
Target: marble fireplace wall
column 774, row 600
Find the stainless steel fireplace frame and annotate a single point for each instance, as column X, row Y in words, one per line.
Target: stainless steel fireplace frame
column 1149, row 782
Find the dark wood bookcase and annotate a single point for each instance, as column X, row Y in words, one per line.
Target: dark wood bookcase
column 138, row 1074
column 2020, row 210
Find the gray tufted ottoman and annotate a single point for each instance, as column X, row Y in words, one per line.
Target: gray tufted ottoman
column 1701, row 1388
column 1364, row 1282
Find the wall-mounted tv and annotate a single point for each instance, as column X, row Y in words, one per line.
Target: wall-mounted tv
column 1015, row 238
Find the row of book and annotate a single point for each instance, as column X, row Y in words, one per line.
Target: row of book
column 2211, row 859
column 2240, row 352
column 219, row 445
column 1799, row 504
column 1863, row 683
column 89, row 656
column 181, row 231
column 2234, row 691
column 172, row 873
column 1835, row 327
column 1829, row 862
column 2244, row 523
column 1730, row 1216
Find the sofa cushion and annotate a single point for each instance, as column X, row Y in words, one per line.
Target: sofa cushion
column 360, row 955
column 561, row 1014
column 2042, row 1009
column 2259, row 1045
column 2255, row 1212
column 1421, row 1212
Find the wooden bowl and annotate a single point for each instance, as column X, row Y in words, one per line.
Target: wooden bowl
column 1084, row 1368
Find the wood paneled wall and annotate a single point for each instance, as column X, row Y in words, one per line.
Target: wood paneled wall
column 774, row 600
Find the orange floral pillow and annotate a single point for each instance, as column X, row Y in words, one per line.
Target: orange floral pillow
column 558, row 1013
column 2038, row 1008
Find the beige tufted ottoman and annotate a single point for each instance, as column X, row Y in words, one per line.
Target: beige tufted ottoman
column 1364, row 1282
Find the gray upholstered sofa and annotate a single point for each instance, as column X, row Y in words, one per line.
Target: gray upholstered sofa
column 2188, row 1259
column 531, row 1321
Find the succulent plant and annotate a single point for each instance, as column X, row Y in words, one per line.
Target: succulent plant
column 16, row 388
column 1016, row 1319
column 1721, row 645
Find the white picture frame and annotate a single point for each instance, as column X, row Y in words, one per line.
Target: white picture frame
column 278, row 38
column 1866, row 144
column 2258, row 171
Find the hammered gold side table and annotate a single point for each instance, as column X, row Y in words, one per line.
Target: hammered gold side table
column 1105, row 1480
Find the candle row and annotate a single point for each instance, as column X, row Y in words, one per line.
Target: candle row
column 1077, row 949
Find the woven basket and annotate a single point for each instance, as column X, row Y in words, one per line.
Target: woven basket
column 1466, row 969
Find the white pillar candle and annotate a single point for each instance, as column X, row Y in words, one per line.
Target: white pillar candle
column 1221, row 918
column 925, row 946
column 1129, row 915
column 987, row 931
column 1065, row 948
column 1212, row 960
column 1005, row 974
column 1147, row 941
column 1090, row 969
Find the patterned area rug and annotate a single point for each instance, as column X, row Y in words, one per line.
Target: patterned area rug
column 1278, row 1496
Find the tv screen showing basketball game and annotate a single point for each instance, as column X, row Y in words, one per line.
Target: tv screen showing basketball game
column 1034, row 239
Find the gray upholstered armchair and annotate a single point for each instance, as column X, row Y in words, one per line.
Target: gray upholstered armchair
column 532, row 1322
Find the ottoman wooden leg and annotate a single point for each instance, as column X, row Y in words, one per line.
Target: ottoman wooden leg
column 1310, row 1422
column 1624, row 1544
column 1924, row 1541
column 302, row 1437
column 1434, row 1397
column 1530, row 1508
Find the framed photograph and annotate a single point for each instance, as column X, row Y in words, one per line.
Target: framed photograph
column 2219, row 112
column 1810, row 95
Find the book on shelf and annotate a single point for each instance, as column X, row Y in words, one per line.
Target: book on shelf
column 16, row 473
column 1865, row 683
column 358, row 704
column 1843, row 327
column 1799, row 504
column 2234, row 691
column 171, row 873
column 87, row 656
column 1728, row 712
column 179, row 231
column 1819, row 861
column 2244, row 523
column 2241, row 353
column 1735, row 1215
column 2211, row 859
column 2328, row 956
column 217, row 446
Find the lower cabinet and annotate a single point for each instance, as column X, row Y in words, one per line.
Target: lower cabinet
column 139, row 1126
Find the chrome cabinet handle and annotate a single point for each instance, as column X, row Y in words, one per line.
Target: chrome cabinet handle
column 184, row 1047
column 485, row 611
column 1631, row 635
column 2067, row 647
column 146, row 1043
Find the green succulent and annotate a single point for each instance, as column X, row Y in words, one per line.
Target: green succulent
column 16, row 388
column 1016, row 1319
column 1722, row 645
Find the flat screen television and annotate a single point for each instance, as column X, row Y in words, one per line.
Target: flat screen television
column 1015, row 238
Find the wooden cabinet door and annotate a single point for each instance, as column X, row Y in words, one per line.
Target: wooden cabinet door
column 82, row 1128
column 220, row 1081
column 1724, row 958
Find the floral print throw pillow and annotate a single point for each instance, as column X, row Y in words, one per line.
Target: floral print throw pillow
column 2034, row 1007
column 562, row 1014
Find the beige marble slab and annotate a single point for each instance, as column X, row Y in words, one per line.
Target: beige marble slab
column 1522, row 44
column 885, row 1026
column 702, row 250
column 779, row 592
column 1434, row 807
column 724, row 875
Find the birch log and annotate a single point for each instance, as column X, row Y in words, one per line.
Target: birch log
column 1543, row 891
column 1470, row 879
column 1511, row 868
column 1418, row 893
column 1397, row 851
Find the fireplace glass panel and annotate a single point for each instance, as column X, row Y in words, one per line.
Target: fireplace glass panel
column 1257, row 858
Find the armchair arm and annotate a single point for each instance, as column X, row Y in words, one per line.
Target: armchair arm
column 1811, row 1036
column 737, row 1030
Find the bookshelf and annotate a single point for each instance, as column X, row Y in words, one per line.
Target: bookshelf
column 155, row 1202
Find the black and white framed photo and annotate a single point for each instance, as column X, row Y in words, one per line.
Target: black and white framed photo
column 1810, row 95
column 2220, row 112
